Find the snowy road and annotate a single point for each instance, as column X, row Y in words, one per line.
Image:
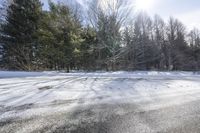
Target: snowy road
column 117, row 102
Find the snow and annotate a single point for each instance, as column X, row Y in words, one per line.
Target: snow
column 124, row 74
column 42, row 93
column 11, row 74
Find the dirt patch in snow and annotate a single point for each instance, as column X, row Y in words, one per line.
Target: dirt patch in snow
column 45, row 88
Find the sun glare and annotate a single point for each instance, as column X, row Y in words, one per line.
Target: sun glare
column 143, row 5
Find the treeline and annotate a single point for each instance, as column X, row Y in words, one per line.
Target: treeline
column 108, row 36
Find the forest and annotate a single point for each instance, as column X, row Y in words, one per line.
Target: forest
column 103, row 35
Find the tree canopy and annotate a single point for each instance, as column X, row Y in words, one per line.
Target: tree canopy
column 111, row 37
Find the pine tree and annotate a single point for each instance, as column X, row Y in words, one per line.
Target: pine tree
column 18, row 34
column 87, row 51
column 60, row 38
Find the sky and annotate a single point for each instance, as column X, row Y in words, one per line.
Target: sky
column 187, row 11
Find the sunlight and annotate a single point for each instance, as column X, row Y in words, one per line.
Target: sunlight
column 143, row 5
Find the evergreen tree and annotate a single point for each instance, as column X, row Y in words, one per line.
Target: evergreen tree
column 60, row 38
column 18, row 34
column 87, row 50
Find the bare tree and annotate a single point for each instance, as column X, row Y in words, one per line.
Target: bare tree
column 194, row 42
column 176, row 32
column 108, row 17
column 159, row 37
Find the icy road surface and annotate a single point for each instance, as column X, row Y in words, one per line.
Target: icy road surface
column 115, row 102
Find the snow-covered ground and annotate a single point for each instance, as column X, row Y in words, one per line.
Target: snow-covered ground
column 28, row 94
column 46, row 88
